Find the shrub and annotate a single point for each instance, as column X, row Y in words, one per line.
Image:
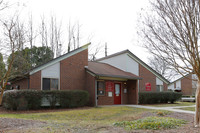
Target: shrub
column 33, row 99
column 22, row 100
column 154, row 123
column 159, row 97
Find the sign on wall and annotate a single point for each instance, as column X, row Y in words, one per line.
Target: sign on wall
column 109, row 86
column 148, row 86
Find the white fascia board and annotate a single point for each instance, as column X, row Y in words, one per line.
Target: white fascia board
column 58, row 60
column 146, row 67
column 91, row 73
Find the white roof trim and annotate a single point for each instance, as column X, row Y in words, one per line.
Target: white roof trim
column 92, row 74
column 59, row 59
column 146, row 67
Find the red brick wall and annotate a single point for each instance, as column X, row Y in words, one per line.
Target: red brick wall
column 186, row 85
column 124, row 95
column 132, row 92
column 72, row 71
column 165, row 86
column 23, row 83
column 148, row 77
column 90, row 87
column 105, row 100
column 35, row 81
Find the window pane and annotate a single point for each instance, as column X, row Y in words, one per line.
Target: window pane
column 158, row 88
column 161, row 88
column 117, row 89
column 100, row 88
column 54, row 84
column 46, row 84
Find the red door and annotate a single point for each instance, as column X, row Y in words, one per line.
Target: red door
column 117, row 94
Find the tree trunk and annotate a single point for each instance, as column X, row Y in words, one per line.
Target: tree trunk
column 1, row 97
column 197, row 108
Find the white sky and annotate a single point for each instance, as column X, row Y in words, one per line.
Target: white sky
column 111, row 21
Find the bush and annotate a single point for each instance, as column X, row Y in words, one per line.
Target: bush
column 33, row 99
column 158, row 97
column 154, row 123
column 22, row 100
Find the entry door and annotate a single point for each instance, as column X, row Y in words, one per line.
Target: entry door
column 117, row 94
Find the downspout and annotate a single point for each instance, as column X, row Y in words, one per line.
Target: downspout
column 28, row 83
column 138, row 89
column 96, row 98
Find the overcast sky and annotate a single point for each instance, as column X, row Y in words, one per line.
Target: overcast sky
column 109, row 21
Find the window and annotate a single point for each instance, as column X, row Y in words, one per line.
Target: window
column 100, row 88
column 159, row 88
column 49, row 84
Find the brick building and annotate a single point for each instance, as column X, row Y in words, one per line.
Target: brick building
column 187, row 85
column 115, row 79
column 127, row 61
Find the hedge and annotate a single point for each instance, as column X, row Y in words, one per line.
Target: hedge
column 33, row 99
column 159, row 97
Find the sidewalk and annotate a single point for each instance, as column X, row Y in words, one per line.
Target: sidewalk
column 174, row 109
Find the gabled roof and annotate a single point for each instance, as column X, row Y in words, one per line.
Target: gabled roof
column 60, row 58
column 180, row 78
column 106, row 70
column 134, row 57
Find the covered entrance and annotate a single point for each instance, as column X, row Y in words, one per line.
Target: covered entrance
column 112, row 85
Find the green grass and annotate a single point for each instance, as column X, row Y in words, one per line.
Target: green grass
column 154, row 123
column 174, row 104
column 92, row 114
column 188, row 108
column 91, row 119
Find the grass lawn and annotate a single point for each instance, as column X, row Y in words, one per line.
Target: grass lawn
column 86, row 120
column 174, row 104
column 188, row 108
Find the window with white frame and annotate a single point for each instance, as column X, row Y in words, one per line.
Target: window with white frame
column 49, row 84
column 159, row 88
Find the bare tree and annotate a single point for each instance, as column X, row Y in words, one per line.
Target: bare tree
column 31, row 36
column 162, row 67
column 73, row 36
column 57, row 34
column 51, row 34
column 14, row 40
column 94, row 51
column 43, row 32
column 3, row 5
column 172, row 31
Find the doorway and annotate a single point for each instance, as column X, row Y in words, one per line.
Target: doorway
column 117, row 94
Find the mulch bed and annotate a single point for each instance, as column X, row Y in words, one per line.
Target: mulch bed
column 7, row 124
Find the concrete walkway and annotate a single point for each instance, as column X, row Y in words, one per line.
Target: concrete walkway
column 174, row 109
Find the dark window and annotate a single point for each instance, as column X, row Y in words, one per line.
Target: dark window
column 50, row 84
column 159, row 88
column 46, row 84
column 100, row 88
column 54, row 84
